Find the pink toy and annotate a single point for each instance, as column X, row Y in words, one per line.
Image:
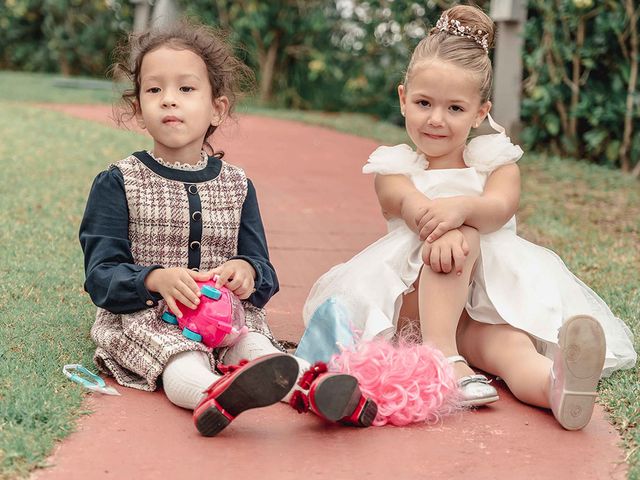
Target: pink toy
column 218, row 321
column 409, row 382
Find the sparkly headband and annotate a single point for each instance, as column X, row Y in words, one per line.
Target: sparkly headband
column 454, row 27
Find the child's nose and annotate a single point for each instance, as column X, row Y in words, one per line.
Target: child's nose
column 168, row 100
column 436, row 117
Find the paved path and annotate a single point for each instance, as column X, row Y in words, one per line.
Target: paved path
column 319, row 210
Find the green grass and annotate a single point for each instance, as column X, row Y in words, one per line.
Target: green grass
column 589, row 215
column 48, row 162
column 46, row 88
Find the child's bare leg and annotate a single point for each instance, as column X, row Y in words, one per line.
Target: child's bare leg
column 509, row 353
column 441, row 300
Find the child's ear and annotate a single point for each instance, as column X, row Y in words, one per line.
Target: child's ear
column 139, row 119
column 220, row 110
column 485, row 108
column 402, row 98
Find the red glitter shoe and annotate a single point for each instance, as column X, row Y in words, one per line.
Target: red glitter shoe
column 333, row 396
column 262, row 382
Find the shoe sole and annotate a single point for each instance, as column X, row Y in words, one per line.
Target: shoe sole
column 338, row 396
column 582, row 353
column 266, row 382
column 479, row 402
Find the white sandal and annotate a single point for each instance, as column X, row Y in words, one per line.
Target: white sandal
column 577, row 366
column 475, row 390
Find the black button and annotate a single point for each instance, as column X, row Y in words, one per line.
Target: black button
column 192, row 189
column 194, row 245
column 197, row 216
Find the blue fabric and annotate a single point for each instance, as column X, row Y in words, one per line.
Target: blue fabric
column 328, row 333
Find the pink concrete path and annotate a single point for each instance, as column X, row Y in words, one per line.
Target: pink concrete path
column 319, row 210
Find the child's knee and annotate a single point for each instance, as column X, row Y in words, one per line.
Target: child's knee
column 249, row 347
column 185, row 377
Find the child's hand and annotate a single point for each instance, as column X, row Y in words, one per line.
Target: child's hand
column 441, row 216
column 177, row 284
column 447, row 253
column 238, row 276
column 414, row 207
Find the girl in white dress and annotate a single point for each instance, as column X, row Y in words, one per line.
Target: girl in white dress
column 452, row 260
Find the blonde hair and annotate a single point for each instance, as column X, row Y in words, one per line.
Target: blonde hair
column 467, row 52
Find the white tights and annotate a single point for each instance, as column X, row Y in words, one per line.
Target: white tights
column 188, row 374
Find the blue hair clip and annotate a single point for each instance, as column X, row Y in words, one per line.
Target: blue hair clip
column 79, row 374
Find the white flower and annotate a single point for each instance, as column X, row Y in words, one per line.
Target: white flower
column 488, row 152
column 400, row 159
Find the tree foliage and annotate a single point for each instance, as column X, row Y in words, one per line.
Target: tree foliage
column 580, row 95
column 279, row 38
column 70, row 36
column 580, row 88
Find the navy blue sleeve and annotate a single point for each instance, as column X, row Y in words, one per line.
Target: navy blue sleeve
column 112, row 280
column 252, row 247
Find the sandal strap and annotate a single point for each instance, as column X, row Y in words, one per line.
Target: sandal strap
column 457, row 358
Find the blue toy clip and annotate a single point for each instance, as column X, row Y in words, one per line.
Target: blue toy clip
column 90, row 381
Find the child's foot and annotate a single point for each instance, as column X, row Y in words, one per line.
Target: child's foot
column 335, row 397
column 577, row 367
column 460, row 367
column 259, row 383
column 475, row 389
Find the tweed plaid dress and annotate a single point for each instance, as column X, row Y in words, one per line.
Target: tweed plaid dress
column 135, row 347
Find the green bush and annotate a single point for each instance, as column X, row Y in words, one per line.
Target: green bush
column 67, row 36
column 578, row 61
column 581, row 58
column 284, row 41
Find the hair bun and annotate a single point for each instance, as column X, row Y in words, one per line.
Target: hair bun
column 467, row 21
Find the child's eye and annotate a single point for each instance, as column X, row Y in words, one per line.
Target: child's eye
column 186, row 89
column 153, row 90
column 457, row 108
column 424, row 103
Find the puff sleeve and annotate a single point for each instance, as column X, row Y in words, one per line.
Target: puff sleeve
column 399, row 159
column 488, row 152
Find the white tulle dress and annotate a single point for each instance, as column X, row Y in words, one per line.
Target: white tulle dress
column 516, row 282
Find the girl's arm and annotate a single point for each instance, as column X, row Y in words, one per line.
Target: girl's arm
column 252, row 248
column 499, row 201
column 113, row 281
column 399, row 198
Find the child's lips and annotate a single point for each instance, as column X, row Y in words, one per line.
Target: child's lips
column 171, row 120
column 434, row 136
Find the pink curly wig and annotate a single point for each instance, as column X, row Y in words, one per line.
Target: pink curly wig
column 409, row 382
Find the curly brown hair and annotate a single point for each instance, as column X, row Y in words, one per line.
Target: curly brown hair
column 228, row 75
